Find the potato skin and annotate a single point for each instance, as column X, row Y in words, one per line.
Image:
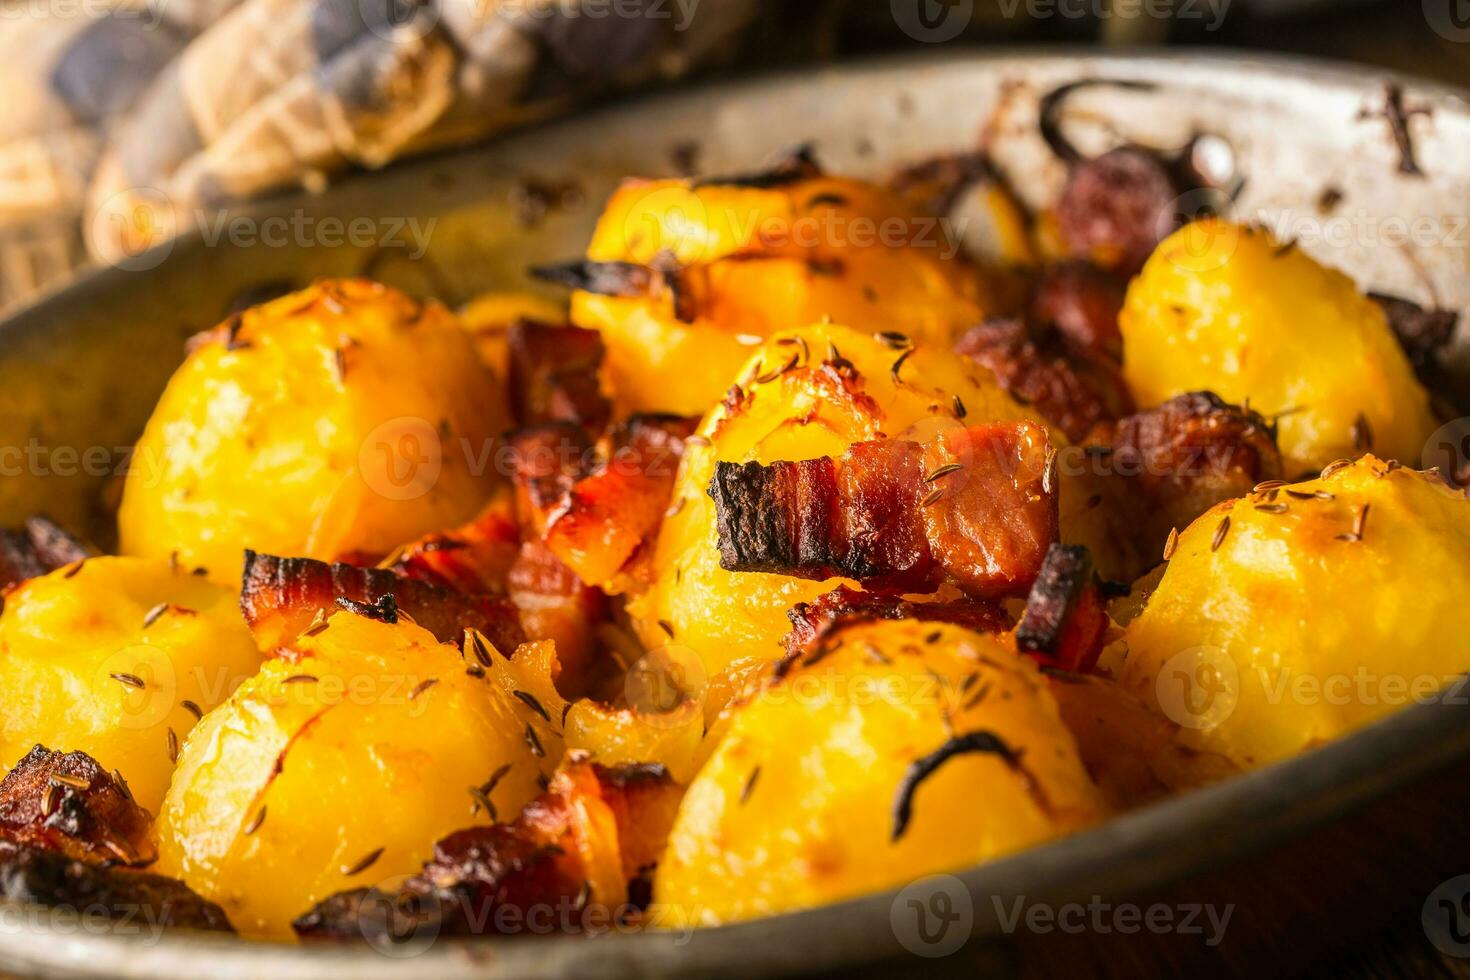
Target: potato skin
column 1227, row 308
column 330, row 420
column 342, row 765
column 759, row 260
column 1303, row 632
column 64, row 636
column 795, row 807
column 725, row 616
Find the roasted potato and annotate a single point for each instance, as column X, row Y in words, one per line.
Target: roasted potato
column 116, row 657
column 908, row 749
column 347, row 417
column 806, row 411
column 344, row 767
column 1229, row 309
column 753, row 260
column 1298, row 613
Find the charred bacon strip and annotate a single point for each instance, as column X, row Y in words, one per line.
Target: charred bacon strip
column 67, row 804
column 814, row 623
column 1179, row 459
column 606, row 517
column 39, row 547
column 474, row 558
column 595, row 511
column 976, row 507
column 1080, row 303
column 626, row 279
column 555, row 604
column 1065, row 616
column 282, row 597
column 31, row 875
column 546, row 462
column 1073, row 394
column 553, row 375
column 537, row 860
column 796, row 165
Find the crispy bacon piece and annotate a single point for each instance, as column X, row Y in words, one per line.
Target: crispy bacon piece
column 474, row 558
column 1073, row 394
column 556, row 605
column 1175, row 461
column 626, row 279
column 1117, row 207
column 554, row 375
column 31, row 875
column 573, row 850
column 596, row 511
column 937, row 183
column 281, row 597
column 68, row 804
column 1080, row 302
column 38, row 547
column 813, row 623
column 976, row 507
column 1066, row 617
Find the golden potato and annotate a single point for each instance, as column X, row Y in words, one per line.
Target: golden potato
column 806, row 412
column 1325, row 605
column 103, row 657
column 757, row 260
column 346, row 417
column 1227, row 308
column 372, row 739
column 801, row 802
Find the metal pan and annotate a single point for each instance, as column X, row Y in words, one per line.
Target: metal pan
column 1301, row 852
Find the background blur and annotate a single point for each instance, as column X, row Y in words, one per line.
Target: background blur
column 120, row 119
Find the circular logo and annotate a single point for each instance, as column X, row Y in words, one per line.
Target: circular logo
column 401, row 459
column 134, row 228
column 672, row 220
column 1450, row 19
column 399, row 21
column 397, row 923
column 665, row 688
column 1446, row 917
column 1202, row 246
column 144, row 678
column 932, row 21
column 933, row 916
column 1448, row 448
column 1198, row 688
